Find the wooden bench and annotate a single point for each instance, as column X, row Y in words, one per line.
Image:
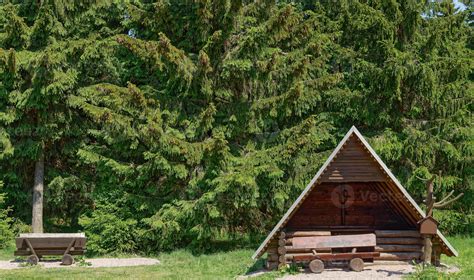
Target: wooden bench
column 341, row 247
column 37, row 245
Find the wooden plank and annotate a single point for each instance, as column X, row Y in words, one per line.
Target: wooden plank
column 307, row 233
column 399, row 256
column 48, row 252
column 398, row 248
column 397, row 233
column 402, row 241
column 331, row 257
column 341, row 241
column 402, row 203
column 311, row 221
column 398, row 204
column 50, row 242
column 52, row 235
column 391, row 205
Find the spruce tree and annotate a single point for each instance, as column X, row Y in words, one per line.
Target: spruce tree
column 44, row 48
column 167, row 123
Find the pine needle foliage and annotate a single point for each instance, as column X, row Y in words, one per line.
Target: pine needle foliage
column 174, row 123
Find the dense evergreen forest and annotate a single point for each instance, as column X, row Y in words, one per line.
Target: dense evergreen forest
column 154, row 125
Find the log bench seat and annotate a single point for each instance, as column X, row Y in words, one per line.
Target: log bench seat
column 37, row 245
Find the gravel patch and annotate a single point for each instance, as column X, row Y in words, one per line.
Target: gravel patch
column 100, row 262
column 380, row 271
column 371, row 271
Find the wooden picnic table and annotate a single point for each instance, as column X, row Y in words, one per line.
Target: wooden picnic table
column 37, row 245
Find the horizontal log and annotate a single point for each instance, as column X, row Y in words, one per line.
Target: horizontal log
column 340, row 241
column 402, row 241
column 397, row 233
column 307, row 233
column 290, row 257
column 281, row 250
column 332, row 257
column 398, row 248
column 399, row 256
column 281, row 242
column 282, row 259
column 291, row 249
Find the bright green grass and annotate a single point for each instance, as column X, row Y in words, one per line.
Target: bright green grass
column 184, row 265
column 465, row 262
column 7, row 254
column 176, row 265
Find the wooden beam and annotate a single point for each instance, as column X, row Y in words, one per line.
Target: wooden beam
column 401, row 256
column 397, row 248
column 400, row 241
column 398, row 233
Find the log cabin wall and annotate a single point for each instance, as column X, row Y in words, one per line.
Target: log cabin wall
column 393, row 245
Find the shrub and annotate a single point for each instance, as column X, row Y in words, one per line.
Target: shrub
column 18, row 226
column 455, row 222
column 6, row 233
column 108, row 232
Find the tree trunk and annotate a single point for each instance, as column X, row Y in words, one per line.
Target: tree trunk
column 38, row 192
column 427, row 251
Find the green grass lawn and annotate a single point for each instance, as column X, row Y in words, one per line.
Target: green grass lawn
column 227, row 265
column 7, row 254
column 176, row 265
column 465, row 261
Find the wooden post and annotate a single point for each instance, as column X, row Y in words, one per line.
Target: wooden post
column 436, row 255
column 427, row 250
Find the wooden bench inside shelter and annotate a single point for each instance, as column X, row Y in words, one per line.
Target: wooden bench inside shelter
column 354, row 248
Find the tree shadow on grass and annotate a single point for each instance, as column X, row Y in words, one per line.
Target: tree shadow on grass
column 257, row 266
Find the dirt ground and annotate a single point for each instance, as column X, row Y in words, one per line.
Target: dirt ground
column 375, row 271
column 104, row 262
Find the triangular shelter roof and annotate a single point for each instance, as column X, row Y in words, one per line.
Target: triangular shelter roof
column 412, row 209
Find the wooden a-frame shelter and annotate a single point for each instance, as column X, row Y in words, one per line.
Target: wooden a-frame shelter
column 355, row 192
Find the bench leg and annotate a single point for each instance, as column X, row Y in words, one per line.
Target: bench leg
column 316, row 266
column 356, row 264
column 33, row 258
column 67, row 259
